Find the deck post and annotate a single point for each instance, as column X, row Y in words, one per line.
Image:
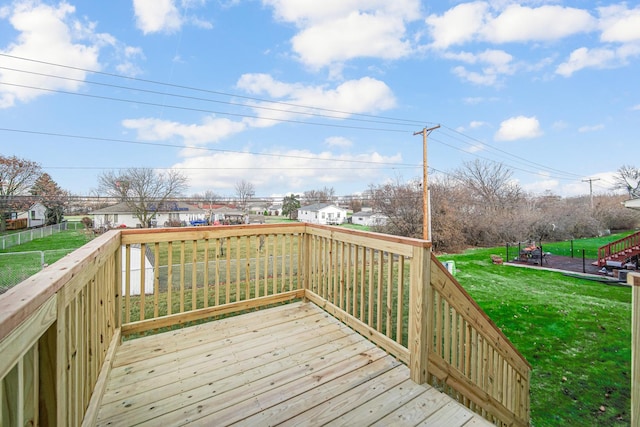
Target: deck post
column 118, row 286
column 420, row 315
column 633, row 279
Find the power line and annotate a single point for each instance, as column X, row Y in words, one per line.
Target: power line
column 199, row 110
column 159, row 144
column 120, row 76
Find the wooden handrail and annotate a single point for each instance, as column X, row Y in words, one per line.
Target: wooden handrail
column 57, row 326
column 617, row 247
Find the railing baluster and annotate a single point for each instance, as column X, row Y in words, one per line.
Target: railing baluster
column 182, row 273
column 156, row 279
column 205, row 274
column 194, row 275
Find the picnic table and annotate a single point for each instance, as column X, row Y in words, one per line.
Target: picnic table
column 534, row 255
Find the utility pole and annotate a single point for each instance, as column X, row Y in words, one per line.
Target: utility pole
column 590, row 181
column 426, row 220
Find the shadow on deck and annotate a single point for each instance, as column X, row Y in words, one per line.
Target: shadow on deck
column 290, row 365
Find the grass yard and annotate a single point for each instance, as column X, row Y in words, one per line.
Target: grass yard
column 70, row 239
column 19, row 265
column 590, row 246
column 575, row 333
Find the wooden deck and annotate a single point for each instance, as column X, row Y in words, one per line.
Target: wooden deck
column 291, row 365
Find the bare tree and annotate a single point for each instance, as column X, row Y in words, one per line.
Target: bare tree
column 628, row 178
column 144, row 190
column 325, row 195
column 244, row 191
column 16, row 178
column 401, row 203
column 490, row 183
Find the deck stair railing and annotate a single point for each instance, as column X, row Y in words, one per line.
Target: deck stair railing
column 620, row 250
column 59, row 330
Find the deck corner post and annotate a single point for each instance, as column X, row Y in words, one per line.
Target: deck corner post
column 633, row 279
column 118, row 285
column 420, row 315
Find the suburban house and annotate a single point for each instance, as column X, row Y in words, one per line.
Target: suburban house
column 226, row 215
column 369, row 218
column 275, row 209
column 166, row 214
column 322, row 213
column 36, row 215
column 632, row 204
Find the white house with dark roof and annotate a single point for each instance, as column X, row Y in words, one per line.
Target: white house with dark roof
column 167, row 213
column 36, row 215
column 322, row 213
column 632, row 204
column 369, row 218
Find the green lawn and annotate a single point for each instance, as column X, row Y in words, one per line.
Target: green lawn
column 590, row 246
column 20, row 265
column 575, row 333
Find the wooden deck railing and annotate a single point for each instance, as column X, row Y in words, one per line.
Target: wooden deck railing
column 60, row 328
column 628, row 245
column 57, row 331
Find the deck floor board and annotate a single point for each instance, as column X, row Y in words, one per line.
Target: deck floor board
column 289, row 365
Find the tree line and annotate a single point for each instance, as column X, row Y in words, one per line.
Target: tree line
column 480, row 204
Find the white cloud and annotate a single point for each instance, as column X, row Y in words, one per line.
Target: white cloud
column 366, row 95
column 288, row 170
column 636, row 107
column 211, row 130
column 458, row 25
column 335, row 31
column 338, row 141
column 592, row 128
column 475, row 124
column 518, row 23
column 154, row 16
column 485, row 22
column 494, row 63
column 519, row 127
column 50, row 34
column 587, row 58
column 619, row 24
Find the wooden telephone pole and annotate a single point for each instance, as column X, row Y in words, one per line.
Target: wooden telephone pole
column 426, row 220
column 590, row 181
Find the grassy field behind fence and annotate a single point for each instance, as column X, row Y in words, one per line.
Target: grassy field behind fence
column 575, row 333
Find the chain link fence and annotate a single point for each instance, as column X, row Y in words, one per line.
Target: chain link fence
column 15, row 239
column 18, row 266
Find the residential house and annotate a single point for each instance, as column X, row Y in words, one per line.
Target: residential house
column 275, row 209
column 369, row 218
column 166, row 214
column 36, row 215
column 226, row 215
column 322, row 213
column 632, row 204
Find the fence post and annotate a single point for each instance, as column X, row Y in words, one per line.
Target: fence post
column 420, row 314
column 584, row 266
column 571, row 248
column 633, row 279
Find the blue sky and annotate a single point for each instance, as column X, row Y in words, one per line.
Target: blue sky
column 295, row 95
